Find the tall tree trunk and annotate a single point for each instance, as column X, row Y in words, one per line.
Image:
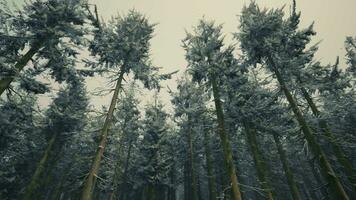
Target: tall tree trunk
column 172, row 190
column 123, row 192
column 89, row 182
column 261, row 167
column 209, row 167
column 187, row 188
column 340, row 155
column 229, row 163
column 289, row 175
column 319, row 179
column 308, row 182
column 117, row 169
column 56, row 194
column 194, row 185
column 326, row 168
column 32, row 188
column 6, row 81
column 150, row 193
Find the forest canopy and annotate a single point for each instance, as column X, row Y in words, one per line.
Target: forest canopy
column 258, row 117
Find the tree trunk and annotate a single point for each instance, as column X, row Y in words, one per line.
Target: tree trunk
column 261, row 167
column 89, row 182
column 123, row 192
column 172, row 190
column 150, row 193
column 327, row 170
column 117, row 169
column 289, row 175
column 32, row 188
column 324, row 126
column 319, row 179
column 56, row 194
column 193, row 184
column 187, row 188
column 6, row 81
column 229, row 163
column 308, row 182
column 209, row 167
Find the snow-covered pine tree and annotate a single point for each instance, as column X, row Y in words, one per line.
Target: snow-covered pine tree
column 207, row 62
column 49, row 33
column 65, row 117
column 121, row 46
column 267, row 38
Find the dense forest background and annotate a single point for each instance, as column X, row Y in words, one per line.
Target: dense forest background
column 257, row 116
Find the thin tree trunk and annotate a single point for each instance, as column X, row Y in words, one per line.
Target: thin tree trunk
column 319, row 179
column 209, row 167
column 326, row 168
column 261, row 167
column 172, row 190
column 117, row 169
column 89, row 182
column 306, row 192
column 187, row 188
column 289, row 175
column 150, row 193
column 123, row 191
column 32, row 188
column 350, row 173
column 308, row 182
column 230, row 167
column 6, row 81
column 193, row 184
column 56, row 195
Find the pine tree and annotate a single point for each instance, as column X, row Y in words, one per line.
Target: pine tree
column 65, row 116
column 122, row 45
column 267, row 38
column 154, row 163
column 207, row 60
column 20, row 142
column 50, row 32
column 128, row 120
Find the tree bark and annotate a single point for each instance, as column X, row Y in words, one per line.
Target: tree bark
column 261, row 167
column 289, row 175
column 6, row 81
column 326, row 168
column 229, row 163
column 32, row 188
column 324, row 126
column 89, row 182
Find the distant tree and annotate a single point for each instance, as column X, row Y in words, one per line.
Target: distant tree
column 207, row 62
column 20, row 143
column 129, row 124
column 66, row 116
column 154, row 157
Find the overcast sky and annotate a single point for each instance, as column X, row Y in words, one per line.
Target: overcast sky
column 334, row 20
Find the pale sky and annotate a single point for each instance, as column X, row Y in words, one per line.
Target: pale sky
column 334, row 20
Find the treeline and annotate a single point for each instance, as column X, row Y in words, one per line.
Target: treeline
column 259, row 118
